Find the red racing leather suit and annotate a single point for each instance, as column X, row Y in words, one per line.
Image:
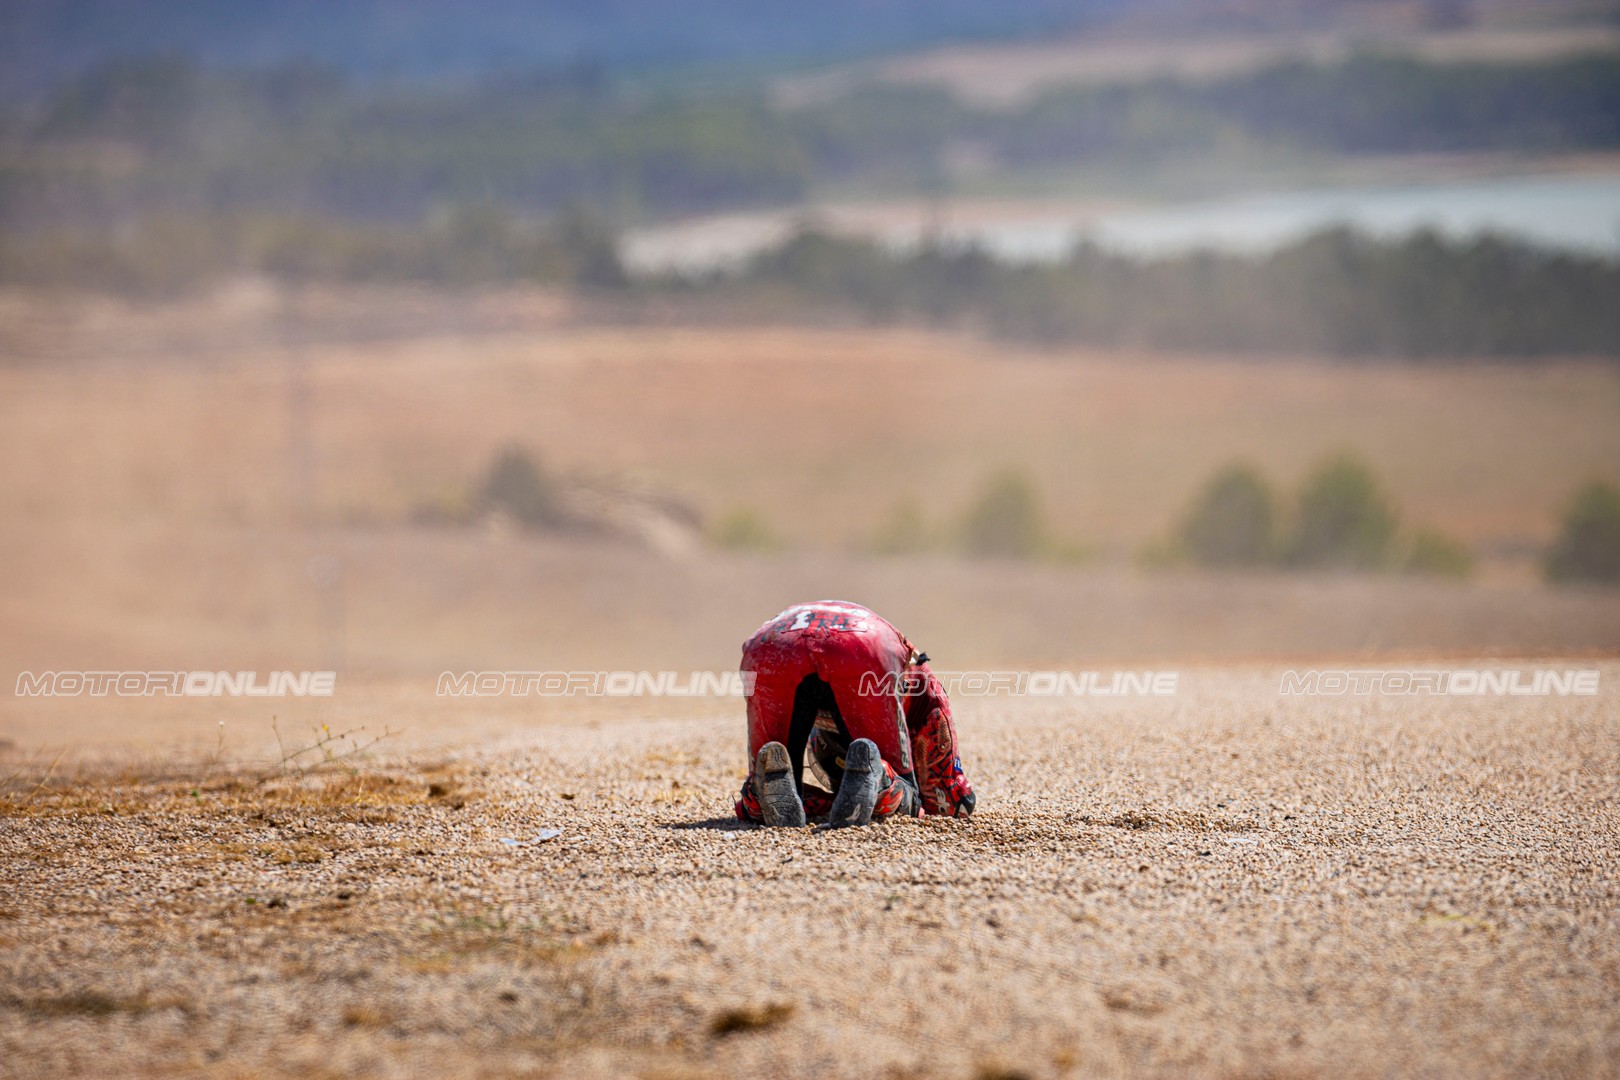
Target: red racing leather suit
column 879, row 687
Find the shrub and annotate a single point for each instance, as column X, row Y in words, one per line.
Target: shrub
column 903, row 532
column 517, row 485
column 1345, row 520
column 744, row 529
column 1433, row 552
column 1159, row 554
column 589, row 250
column 1233, row 522
column 1006, row 520
column 1588, row 548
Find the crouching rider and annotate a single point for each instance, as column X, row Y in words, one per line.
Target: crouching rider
column 836, row 682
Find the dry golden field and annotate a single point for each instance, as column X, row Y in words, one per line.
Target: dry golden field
column 182, row 480
column 189, row 415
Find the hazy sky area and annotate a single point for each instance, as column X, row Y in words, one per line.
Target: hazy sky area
column 42, row 41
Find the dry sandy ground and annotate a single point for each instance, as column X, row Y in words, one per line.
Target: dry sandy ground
column 1226, row 883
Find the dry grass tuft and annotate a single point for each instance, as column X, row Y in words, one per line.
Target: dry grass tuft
column 1132, row 1000
column 97, row 1003
column 355, row 793
column 464, row 933
column 751, row 1018
column 999, row 1072
column 1143, row 820
column 287, row 854
column 365, row 1016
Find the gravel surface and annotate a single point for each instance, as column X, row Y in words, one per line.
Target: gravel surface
column 1228, row 883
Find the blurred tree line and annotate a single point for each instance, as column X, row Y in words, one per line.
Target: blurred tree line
column 164, row 136
column 1367, row 104
column 1342, row 519
column 1337, row 292
column 156, row 177
column 172, row 254
column 132, row 138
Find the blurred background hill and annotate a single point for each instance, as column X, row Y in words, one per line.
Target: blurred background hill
column 47, row 41
column 399, row 110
